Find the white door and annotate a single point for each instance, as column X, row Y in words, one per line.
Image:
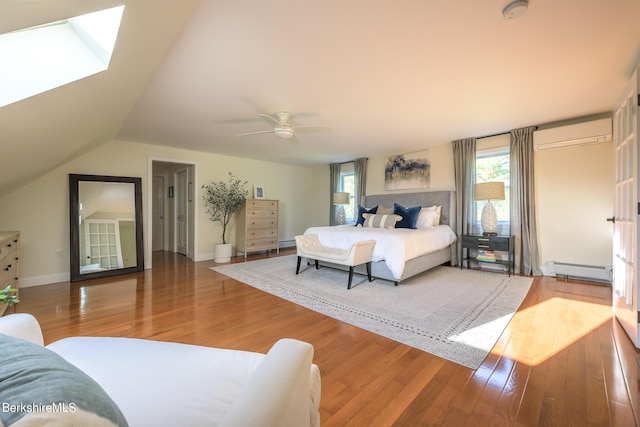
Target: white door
column 181, row 212
column 625, row 211
column 158, row 214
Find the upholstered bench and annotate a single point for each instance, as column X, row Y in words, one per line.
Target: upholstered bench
column 309, row 246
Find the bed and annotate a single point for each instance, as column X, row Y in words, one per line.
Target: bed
column 418, row 251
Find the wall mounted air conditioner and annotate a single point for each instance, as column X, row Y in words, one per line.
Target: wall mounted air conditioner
column 591, row 132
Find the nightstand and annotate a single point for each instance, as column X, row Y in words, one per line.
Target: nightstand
column 488, row 243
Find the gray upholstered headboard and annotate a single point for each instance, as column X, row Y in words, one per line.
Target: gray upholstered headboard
column 446, row 199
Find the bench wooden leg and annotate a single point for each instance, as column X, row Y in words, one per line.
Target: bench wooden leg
column 369, row 271
column 350, row 277
column 298, row 266
column 317, row 266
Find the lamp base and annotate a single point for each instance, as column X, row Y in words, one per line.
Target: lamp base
column 342, row 215
column 489, row 219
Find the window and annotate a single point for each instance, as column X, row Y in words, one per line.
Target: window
column 493, row 165
column 37, row 59
column 347, row 185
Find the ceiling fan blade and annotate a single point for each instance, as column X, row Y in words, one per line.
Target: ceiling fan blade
column 294, row 140
column 271, row 120
column 256, row 133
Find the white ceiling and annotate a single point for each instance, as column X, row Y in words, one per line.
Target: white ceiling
column 387, row 77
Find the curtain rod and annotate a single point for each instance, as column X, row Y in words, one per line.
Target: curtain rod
column 351, row 161
column 500, row 133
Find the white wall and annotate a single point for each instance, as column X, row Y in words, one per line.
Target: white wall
column 574, row 196
column 442, row 176
column 40, row 209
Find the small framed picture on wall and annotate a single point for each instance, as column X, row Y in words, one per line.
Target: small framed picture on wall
column 258, row 192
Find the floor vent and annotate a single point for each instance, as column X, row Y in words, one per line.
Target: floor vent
column 593, row 273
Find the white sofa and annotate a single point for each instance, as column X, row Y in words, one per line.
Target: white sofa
column 169, row 384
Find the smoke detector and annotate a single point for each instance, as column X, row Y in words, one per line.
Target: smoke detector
column 515, row 9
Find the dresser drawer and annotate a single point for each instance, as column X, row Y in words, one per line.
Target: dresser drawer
column 8, row 269
column 261, row 223
column 257, row 233
column 262, row 204
column 8, row 245
column 261, row 244
column 261, row 214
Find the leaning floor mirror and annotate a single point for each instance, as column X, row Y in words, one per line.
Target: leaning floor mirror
column 105, row 226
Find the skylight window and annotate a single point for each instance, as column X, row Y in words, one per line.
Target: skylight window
column 41, row 58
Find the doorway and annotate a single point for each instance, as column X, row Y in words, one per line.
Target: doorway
column 173, row 208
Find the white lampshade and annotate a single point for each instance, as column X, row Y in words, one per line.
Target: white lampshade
column 340, row 198
column 488, row 191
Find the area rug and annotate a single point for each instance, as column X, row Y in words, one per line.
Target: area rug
column 454, row 314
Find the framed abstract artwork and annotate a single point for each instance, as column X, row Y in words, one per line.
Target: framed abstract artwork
column 407, row 171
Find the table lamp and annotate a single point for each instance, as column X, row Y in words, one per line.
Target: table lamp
column 341, row 199
column 489, row 191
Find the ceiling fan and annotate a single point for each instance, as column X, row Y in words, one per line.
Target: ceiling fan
column 283, row 128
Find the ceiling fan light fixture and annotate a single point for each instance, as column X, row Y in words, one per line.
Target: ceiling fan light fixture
column 515, row 9
column 283, row 133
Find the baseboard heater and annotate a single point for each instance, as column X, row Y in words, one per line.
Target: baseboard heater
column 592, row 273
column 287, row 243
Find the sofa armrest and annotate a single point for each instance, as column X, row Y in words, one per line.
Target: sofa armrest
column 278, row 392
column 22, row 325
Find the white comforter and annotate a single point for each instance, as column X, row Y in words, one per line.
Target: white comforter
column 394, row 246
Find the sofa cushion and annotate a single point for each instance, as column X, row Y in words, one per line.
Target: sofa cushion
column 39, row 386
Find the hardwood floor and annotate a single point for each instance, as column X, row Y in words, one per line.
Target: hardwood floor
column 561, row 361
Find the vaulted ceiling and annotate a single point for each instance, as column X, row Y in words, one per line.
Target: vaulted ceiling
column 386, row 77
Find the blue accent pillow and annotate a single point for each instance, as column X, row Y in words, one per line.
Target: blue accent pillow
column 363, row 210
column 409, row 216
column 37, row 382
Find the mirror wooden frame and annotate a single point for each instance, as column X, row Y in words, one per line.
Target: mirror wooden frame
column 74, row 228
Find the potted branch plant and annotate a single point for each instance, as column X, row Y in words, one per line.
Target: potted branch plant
column 221, row 200
column 9, row 296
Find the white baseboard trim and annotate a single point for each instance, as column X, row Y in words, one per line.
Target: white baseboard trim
column 204, row 257
column 27, row 282
column 287, row 244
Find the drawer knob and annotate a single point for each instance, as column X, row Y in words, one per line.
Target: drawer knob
column 8, row 268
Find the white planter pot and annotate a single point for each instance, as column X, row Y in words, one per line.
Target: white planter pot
column 222, row 252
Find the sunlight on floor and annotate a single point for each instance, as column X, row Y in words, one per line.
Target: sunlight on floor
column 474, row 337
column 553, row 326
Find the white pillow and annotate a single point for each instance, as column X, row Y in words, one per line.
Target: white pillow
column 429, row 217
column 380, row 221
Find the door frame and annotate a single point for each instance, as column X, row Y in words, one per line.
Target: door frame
column 153, row 199
column 181, row 194
column 148, row 231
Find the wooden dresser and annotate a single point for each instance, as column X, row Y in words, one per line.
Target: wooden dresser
column 9, row 244
column 257, row 226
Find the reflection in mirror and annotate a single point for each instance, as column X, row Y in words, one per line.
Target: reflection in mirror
column 106, row 229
